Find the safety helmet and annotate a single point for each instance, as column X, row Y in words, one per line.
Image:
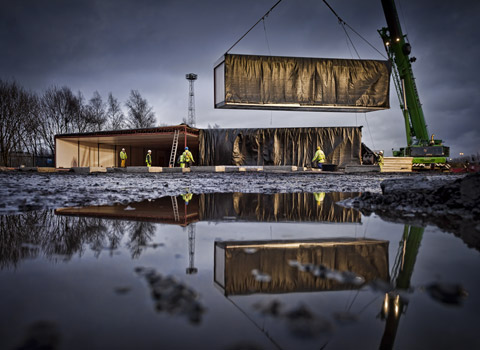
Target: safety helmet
column 186, row 148
column 123, row 149
column 149, row 151
column 318, row 147
column 381, row 152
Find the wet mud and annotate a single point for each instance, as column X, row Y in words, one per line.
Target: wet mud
column 25, row 191
column 450, row 202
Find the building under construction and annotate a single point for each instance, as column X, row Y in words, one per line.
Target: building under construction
column 241, row 146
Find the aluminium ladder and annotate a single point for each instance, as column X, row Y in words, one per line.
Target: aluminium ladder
column 173, row 154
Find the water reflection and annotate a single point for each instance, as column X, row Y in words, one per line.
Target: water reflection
column 253, row 207
column 289, row 270
column 62, row 233
column 44, row 234
column 292, row 265
column 394, row 304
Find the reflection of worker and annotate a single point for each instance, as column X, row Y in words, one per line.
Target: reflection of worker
column 380, row 160
column 187, row 197
column 319, row 197
column 123, row 157
column 187, row 158
column 319, row 157
column 148, row 159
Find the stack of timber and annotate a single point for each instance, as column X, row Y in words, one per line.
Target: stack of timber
column 397, row 164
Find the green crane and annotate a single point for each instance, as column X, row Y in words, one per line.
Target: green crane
column 427, row 152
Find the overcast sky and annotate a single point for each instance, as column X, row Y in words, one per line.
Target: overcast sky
column 149, row 45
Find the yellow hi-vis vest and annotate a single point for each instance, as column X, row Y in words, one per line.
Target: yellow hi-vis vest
column 188, row 156
column 319, row 156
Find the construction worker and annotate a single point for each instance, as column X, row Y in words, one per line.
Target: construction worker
column 187, row 158
column 148, row 159
column 181, row 160
column 380, row 160
column 319, row 157
column 123, row 157
column 187, row 197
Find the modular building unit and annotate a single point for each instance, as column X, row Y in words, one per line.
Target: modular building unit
column 279, row 146
column 301, row 84
column 102, row 148
column 236, row 261
column 258, row 147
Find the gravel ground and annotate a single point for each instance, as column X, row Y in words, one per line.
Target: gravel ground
column 30, row 191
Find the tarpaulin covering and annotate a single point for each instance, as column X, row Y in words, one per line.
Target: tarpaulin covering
column 235, row 261
column 297, row 83
column 279, row 146
column 278, row 207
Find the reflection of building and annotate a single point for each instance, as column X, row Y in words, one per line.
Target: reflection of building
column 278, row 207
column 162, row 210
column 235, row 261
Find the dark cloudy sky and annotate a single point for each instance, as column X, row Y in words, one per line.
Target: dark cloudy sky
column 149, row 45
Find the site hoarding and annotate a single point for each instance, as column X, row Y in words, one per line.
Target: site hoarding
column 301, row 84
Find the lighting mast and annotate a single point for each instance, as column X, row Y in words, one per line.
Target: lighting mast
column 191, row 77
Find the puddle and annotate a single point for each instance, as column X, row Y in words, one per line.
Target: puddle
column 233, row 271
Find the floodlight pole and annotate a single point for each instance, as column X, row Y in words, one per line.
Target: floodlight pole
column 191, row 77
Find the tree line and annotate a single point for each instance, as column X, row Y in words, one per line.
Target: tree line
column 30, row 121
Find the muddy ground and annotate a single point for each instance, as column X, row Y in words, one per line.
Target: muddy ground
column 450, row 202
column 21, row 191
column 29, row 191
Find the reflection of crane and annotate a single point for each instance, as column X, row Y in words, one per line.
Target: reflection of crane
column 393, row 305
column 191, row 250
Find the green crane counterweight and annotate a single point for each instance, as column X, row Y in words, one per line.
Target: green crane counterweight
column 425, row 150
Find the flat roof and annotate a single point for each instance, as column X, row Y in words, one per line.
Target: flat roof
column 158, row 136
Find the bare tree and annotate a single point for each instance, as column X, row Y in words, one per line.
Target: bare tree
column 16, row 106
column 33, row 142
column 61, row 113
column 95, row 114
column 140, row 114
column 115, row 117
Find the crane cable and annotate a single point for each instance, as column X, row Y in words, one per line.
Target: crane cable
column 343, row 23
column 248, row 31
